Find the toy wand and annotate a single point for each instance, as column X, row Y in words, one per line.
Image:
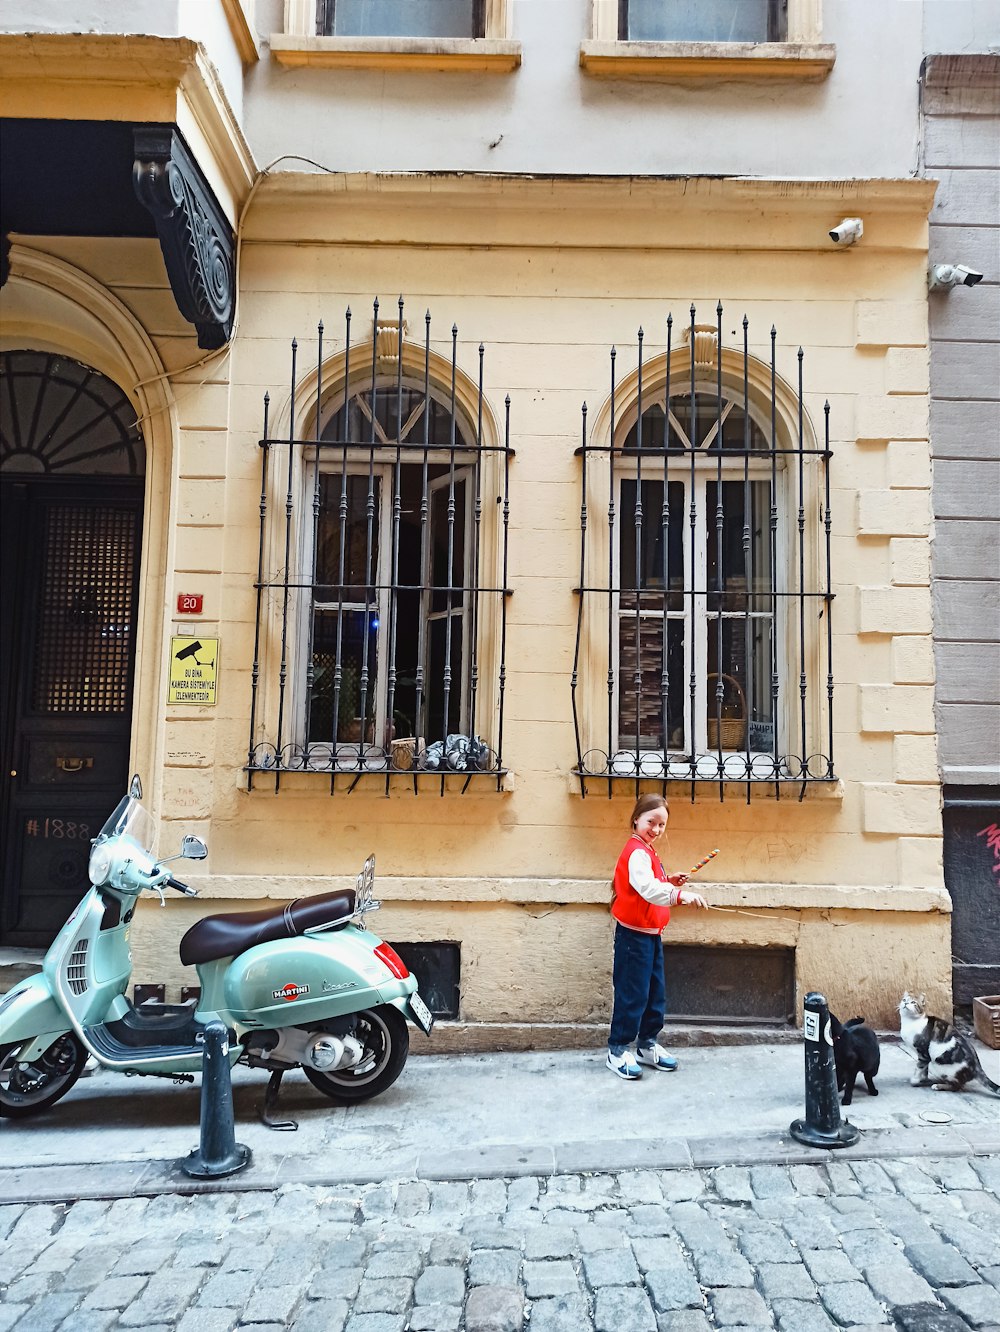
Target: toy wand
column 703, row 862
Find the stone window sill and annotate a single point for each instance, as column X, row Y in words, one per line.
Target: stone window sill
column 708, row 61
column 482, row 55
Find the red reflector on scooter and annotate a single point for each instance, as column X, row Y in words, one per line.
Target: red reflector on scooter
column 392, row 960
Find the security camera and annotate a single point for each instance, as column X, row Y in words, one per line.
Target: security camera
column 951, row 275
column 848, row 231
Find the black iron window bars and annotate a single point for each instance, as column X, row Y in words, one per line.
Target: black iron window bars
column 705, row 597
column 380, row 634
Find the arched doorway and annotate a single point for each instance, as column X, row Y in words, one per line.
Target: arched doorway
column 72, row 463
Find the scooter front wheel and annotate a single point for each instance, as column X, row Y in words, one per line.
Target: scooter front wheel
column 383, row 1033
column 28, row 1089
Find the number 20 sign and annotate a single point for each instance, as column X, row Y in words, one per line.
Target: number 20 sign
column 190, row 603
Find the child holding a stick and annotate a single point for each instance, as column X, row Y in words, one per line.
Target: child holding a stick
column 643, row 895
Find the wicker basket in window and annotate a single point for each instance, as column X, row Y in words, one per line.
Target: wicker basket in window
column 734, row 729
column 403, row 752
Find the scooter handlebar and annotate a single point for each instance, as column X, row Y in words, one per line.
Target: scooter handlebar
column 184, row 888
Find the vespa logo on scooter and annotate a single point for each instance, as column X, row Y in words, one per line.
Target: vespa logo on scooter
column 290, row 991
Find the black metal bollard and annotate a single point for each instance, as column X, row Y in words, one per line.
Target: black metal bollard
column 218, row 1153
column 822, row 1126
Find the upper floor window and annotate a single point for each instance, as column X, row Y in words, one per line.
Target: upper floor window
column 707, row 39
column 400, row 18
column 702, row 20
column 455, row 36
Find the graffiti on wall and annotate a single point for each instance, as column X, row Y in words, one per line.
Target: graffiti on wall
column 992, row 834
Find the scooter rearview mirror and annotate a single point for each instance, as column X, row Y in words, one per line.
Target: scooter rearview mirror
column 193, row 848
column 135, row 790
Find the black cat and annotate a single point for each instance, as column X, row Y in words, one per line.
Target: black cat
column 855, row 1050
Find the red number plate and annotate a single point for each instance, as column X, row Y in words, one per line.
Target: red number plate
column 189, row 603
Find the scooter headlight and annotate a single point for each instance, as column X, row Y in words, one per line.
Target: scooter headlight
column 102, row 859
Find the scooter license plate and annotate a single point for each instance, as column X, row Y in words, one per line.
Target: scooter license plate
column 421, row 1014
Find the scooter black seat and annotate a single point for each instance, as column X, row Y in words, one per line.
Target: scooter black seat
column 228, row 935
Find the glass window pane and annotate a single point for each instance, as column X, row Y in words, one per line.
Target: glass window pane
column 745, row 672
column 441, row 600
column 737, row 433
column 700, row 21
column 735, row 559
column 437, row 424
column 651, row 557
column 360, row 549
column 645, row 701
column 437, row 729
column 401, row 18
column 354, row 625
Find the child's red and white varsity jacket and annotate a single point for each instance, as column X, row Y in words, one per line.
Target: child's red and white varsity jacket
column 645, row 908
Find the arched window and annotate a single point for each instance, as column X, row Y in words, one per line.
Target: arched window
column 705, row 595
column 382, row 603
column 394, row 577
column 721, row 627
column 59, row 418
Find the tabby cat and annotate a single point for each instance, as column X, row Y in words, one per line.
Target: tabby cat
column 945, row 1058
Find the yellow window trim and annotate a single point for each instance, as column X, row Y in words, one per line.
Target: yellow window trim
column 483, row 54
column 712, row 61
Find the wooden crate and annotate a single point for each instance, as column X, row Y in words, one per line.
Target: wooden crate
column 986, row 1012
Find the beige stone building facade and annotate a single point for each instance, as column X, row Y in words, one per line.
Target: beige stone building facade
column 762, row 651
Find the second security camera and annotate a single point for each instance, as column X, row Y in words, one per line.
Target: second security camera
column 848, row 231
column 953, row 275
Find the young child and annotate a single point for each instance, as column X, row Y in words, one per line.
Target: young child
column 643, row 895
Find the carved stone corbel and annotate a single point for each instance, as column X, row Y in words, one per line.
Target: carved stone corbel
column 386, row 333
column 706, row 345
column 194, row 233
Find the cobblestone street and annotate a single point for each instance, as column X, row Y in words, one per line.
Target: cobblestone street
column 802, row 1248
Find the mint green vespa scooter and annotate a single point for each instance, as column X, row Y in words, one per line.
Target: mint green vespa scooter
column 301, row 985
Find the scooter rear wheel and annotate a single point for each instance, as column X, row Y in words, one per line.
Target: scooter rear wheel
column 384, row 1034
column 50, row 1076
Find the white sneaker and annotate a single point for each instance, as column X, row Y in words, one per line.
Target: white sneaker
column 625, row 1066
column 656, row 1057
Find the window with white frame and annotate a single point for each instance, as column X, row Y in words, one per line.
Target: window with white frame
column 393, row 574
column 674, row 40
column 704, row 647
column 421, row 35
column 720, row 626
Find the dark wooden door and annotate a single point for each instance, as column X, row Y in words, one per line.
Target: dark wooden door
column 972, row 877
column 67, row 658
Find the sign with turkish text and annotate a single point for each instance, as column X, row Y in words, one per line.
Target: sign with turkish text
column 194, row 666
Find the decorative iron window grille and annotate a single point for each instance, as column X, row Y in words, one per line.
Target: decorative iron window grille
column 381, row 620
column 705, row 599
column 702, row 20
column 60, row 418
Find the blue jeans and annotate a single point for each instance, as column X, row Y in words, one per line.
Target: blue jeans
column 640, row 993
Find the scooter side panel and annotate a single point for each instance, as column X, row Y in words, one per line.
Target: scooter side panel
column 31, row 1011
column 292, row 982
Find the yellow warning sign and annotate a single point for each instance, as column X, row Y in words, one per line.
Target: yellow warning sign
column 194, row 664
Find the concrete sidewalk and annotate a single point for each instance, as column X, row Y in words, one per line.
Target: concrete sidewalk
column 459, row 1117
